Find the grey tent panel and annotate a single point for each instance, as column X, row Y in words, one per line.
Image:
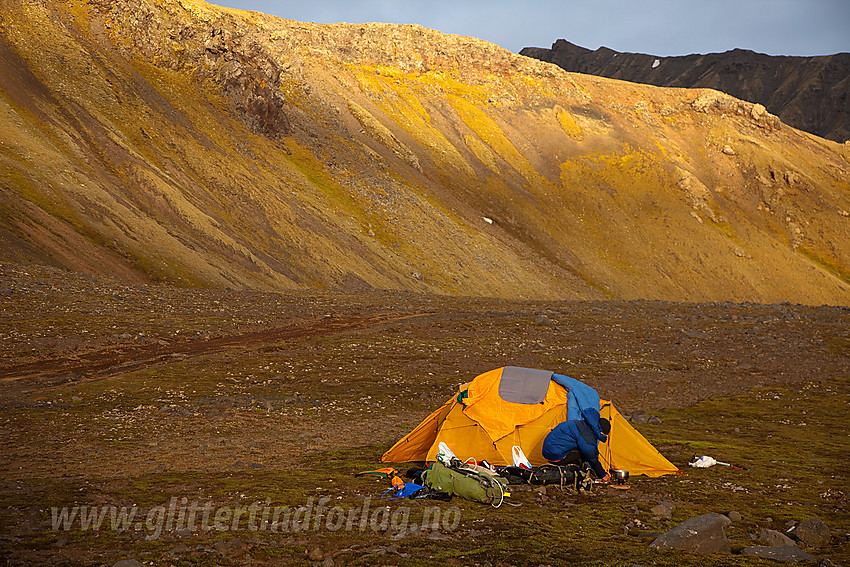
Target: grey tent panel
column 524, row 385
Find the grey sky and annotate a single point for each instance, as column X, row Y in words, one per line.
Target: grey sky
column 657, row 27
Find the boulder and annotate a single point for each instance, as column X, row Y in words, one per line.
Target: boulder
column 702, row 534
column 664, row 510
column 639, row 418
column 813, row 532
column 775, row 538
column 543, row 320
column 788, row 553
column 233, row 546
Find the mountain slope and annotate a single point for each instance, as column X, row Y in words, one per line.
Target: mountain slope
column 810, row 93
column 173, row 140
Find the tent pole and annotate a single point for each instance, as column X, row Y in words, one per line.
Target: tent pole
column 610, row 420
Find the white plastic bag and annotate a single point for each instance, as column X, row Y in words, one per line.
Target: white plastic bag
column 445, row 455
column 519, row 458
column 703, row 462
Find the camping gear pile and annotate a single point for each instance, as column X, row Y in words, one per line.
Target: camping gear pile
column 500, row 420
column 478, row 481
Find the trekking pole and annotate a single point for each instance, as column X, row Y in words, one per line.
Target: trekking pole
column 731, row 465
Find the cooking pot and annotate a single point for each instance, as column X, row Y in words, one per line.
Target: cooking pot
column 619, row 475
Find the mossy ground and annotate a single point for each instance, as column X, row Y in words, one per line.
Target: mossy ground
column 285, row 422
column 791, row 477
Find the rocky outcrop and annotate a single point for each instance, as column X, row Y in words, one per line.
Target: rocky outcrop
column 775, row 538
column 702, row 534
column 212, row 46
column 786, row 553
column 813, row 532
column 718, row 102
column 809, row 93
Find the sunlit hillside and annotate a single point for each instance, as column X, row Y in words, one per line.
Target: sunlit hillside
column 176, row 141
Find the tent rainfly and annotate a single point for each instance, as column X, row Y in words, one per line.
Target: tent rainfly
column 518, row 406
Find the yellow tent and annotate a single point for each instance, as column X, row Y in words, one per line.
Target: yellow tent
column 516, row 406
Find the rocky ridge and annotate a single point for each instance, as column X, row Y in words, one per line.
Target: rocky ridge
column 810, row 93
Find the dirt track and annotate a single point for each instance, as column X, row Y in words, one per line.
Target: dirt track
column 59, row 328
column 127, row 358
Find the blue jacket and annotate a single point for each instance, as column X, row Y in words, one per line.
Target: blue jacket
column 570, row 435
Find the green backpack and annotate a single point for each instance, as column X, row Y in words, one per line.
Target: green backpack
column 471, row 485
